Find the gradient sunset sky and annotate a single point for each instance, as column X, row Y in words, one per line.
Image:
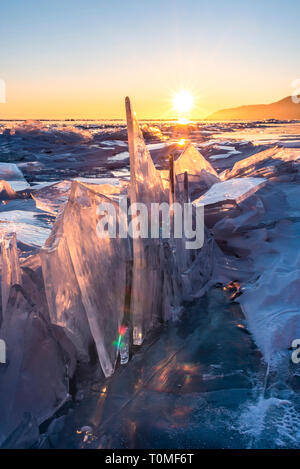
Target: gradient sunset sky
column 80, row 58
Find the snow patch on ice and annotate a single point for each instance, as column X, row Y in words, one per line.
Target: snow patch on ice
column 156, row 146
column 119, row 157
column 112, row 181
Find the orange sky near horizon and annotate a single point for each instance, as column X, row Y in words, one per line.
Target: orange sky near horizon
column 63, row 60
column 87, row 101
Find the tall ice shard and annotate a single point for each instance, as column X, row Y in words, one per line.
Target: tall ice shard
column 145, row 187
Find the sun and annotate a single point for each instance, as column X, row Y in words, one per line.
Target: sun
column 183, row 101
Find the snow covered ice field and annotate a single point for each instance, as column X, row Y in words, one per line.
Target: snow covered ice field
column 220, row 375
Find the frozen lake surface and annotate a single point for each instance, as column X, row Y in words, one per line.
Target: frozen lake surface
column 221, row 376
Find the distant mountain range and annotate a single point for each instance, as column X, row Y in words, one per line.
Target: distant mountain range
column 284, row 109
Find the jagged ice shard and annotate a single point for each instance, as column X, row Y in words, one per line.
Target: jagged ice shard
column 86, row 293
column 145, row 187
column 193, row 162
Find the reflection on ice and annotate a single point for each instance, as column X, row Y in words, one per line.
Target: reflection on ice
column 29, row 227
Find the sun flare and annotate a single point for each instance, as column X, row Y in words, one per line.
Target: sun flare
column 183, row 101
column 183, row 121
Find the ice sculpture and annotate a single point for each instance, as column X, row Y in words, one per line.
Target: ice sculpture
column 87, row 293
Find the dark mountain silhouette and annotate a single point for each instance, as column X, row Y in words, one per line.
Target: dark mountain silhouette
column 284, row 109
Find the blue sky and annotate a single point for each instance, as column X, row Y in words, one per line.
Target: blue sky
column 80, row 58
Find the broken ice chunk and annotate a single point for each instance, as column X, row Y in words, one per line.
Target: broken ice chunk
column 52, row 197
column 63, row 292
column 220, row 156
column 192, row 162
column 11, row 173
column 6, row 191
column 265, row 163
column 99, row 266
column 201, row 175
column 235, row 190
